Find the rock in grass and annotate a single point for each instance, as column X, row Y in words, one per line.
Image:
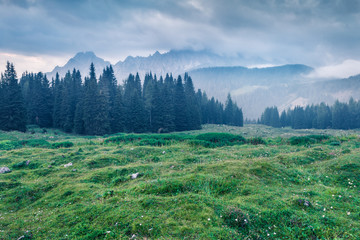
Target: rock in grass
column 5, row 170
column 68, row 164
column 134, row 175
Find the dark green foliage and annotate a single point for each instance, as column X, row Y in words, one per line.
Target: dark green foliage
column 66, row 144
column 101, row 107
column 310, row 139
column 256, row 141
column 180, row 106
column 232, row 114
column 270, row 117
column 221, row 139
column 36, row 143
column 12, row 109
column 339, row 116
column 9, row 145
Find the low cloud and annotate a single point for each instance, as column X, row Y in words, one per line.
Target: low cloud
column 343, row 70
column 312, row 32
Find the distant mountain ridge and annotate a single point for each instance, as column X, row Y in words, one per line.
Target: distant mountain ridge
column 253, row 89
column 81, row 61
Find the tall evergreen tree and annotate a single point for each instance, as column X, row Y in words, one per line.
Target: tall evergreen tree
column 180, row 107
column 13, row 113
column 192, row 103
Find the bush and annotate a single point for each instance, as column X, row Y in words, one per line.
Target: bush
column 153, row 142
column 36, row 143
column 310, row 139
column 202, row 143
column 147, row 139
column 66, row 144
column 221, row 139
column 9, row 145
column 256, row 141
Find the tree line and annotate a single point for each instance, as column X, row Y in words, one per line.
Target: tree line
column 102, row 106
column 321, row 116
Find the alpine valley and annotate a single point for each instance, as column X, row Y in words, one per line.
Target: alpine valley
column 253, row 88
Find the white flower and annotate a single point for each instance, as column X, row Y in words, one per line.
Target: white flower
column 348, row 213
column 323, row 215
column 324, row 209
column 339, row 196
column 236, row 219
column 208, row 219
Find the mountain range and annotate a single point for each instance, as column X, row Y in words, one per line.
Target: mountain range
column 253, row 89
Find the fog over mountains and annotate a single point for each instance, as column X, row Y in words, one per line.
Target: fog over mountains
column 253, row 89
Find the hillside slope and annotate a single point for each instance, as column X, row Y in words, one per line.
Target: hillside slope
column 183, row 188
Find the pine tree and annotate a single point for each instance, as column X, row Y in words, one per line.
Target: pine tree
column 180, row 107
column 57, row 99
column 13, row 114
column 89, row 105
column 283, row 122
column 193, row 108
column 229, row 111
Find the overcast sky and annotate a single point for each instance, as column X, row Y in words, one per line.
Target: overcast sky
column 39, row 34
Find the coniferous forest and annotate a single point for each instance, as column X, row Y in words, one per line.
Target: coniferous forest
column 321, row 116
column 102, row 106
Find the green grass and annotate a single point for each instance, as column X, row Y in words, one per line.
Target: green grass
column 261, row 183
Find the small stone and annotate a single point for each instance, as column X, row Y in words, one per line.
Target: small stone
column 5, row 170
column 134, row 175
column 68, row 164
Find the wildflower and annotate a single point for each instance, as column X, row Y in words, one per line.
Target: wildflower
column 108, row 232
column 348, row 213
column 236, row 219
column 331, row 207
column 140, row 224
column 208, row 219
column 324, row 209
column 339, row 196
column 323, row 216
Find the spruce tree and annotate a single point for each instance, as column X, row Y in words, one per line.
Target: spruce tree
column 193, row 109
column 13, row 116
column 89, row 105
column 180, row 106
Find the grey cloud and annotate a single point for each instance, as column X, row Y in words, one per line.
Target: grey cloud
column 277, row 30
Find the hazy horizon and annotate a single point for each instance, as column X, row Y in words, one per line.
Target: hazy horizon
column 37, row 35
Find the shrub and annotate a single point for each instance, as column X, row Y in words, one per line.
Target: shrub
column 36, row 143
column 310, row 139
column 256, row 141
column 202, row 143
column 9, row 145
column 65, row 144
column 221, row 139
column 153, row 142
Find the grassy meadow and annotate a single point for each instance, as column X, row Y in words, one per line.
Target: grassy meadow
column 220, row 182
